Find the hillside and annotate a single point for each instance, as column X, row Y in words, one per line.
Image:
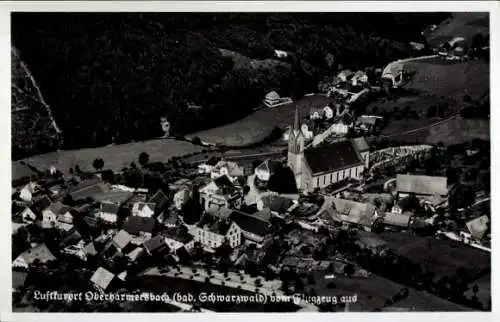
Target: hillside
column 111, row 77
column 459, row 25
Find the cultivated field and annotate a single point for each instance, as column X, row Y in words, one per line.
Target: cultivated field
column 462, row 24
column 115, row 157
column 450, row 80
column 443, row 257
column 259, row 125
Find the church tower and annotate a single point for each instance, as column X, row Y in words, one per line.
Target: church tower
column 296, row 151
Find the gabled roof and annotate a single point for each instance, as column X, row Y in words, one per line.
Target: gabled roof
column 223, row 182
column 154, row 243
column 136, row 224
column 40, row 252
column 102, row 278
column 140, row 205
column 89, row 249
column 59, row 208
column 332, row 157
column 250, row 224
column 478, row 226
column 277, row 203
column 122, row 239
column 360, row 144
column 177, row 236
column 213, row 224
column 400, row 220
column 109, row 208
column 269, row 166
column 353, row 212
column 425, row 185
column 159, row 198
column 40, row 204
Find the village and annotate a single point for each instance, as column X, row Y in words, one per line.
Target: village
column 334, row 213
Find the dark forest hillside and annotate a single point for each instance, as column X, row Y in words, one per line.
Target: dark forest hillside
column 110, row 77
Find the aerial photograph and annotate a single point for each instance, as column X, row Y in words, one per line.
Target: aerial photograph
column 250, row 162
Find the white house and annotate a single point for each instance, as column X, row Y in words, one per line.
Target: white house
column 108, row 212
column 280, row 53
column 143, row 209
column 345, row 75
column 50, row 215
column 221, row 192
column 264, row 171
column 26, row 193
column 175, row 241
column 227, row 168
column 213, row 232
column 181, row 197
column 33, row 212
column 328, row 112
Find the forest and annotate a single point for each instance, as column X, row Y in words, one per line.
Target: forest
column 110, row 77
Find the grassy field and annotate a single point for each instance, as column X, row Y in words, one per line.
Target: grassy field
column 462, row 24
column 259, row 125
column 443, row 257
column 484, row 293
column 459, row 130
column 450, row 80
column 115, row 157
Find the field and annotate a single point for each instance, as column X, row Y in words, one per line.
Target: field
column 115, row 157
column 450, row 80
column 372, row 293
column 484, row 293
column 443, row 257
column 462, row 24
column 459, row 130
column 259, row 125
column 241, row 61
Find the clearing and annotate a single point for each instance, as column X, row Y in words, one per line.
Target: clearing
column 260, row 124
column 461, row 24
column 450, row 80
column 115, row 157
column 443, row 257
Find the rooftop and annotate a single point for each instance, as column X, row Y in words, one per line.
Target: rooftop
column 213, row 224
column 425, row 185
column 136, row 224
column 155, row 243
column 109, row 208
column 102, row 278
column 353, row 212
column 40, row 252
column 250, row 223
column 122, row 238
column 331, row 157
column 478, row 226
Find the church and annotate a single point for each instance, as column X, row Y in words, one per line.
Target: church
column 320, row 166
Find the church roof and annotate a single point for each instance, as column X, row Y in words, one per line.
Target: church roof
column 332, row 157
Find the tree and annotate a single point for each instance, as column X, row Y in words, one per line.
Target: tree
column 467, row 98
column 77, row 169
column 311, row 280
column 431, row 111
column 349, row 270
column 143, row 159
column 282, row 181
column 98, row 164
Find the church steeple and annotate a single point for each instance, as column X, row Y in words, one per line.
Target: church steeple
column 296, row 138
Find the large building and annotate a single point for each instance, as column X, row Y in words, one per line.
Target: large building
column 320, row 166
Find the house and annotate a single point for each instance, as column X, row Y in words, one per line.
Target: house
column 278, row 205
column 118, row 245
column 206, row 168
column 421, row 186
column 352, row 213
column 169, row 219
column 51, row 214
column 135, row 254
column 143, row 209
column 39, row 253
column 221, row 192
column 397, row 220
column 181, row 197
column 322, row 165
column 478, row 227
column 76, row 250
column 345, row 75
column 264, row 170
column 160, row 200
column 108, row 212
column 222, row 213
column 90, row 249
column 175, row 240
column 368, row 122
column 88, row 188
column 252, row 228
column 101, row 279
column 271, row 99
column 280, row 53
column 139, row 226
column 213, row 232
column 362, row 147
column 156, row 245
column 227, row 168
column 65, row 220
column 328, row 112
column 28, row 191
column 33, row 212
column 359, row 78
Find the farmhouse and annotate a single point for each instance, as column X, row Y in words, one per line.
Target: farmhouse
column 156, row 245
column 108, row 212
column 143, row 209
column 181, row 197
column 51, row 214
column 227, row 168
column 175, row 240
column 32, row 213
column 28, row 191
column 421, row 186
column 322, row 165
column 139, row 226
column 118, row 245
